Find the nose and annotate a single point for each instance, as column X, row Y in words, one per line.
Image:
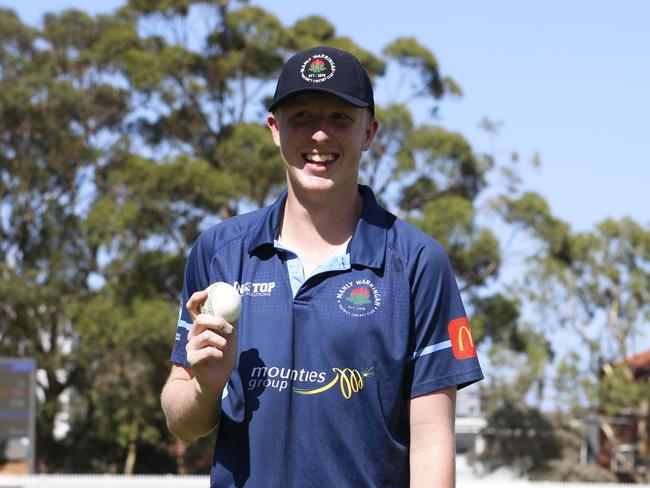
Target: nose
column 321, row 132
column 320, row 136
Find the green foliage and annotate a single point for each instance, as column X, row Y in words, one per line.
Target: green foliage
column 390, row 155
column 522, row 355
column 166, row 7
column 520, row 437
column 248, row 44
column 531, row 211
column 119, row 403
column 15, row 37
column 59, row 125
column 250, row 153
column 474, row 251
column 605, row 275
column 620, row 393
column 497, row 317
column 449, row 218
column 313, row 30
column 72, row 29
column 409, row 53
column 569, row 467
column 449, row 156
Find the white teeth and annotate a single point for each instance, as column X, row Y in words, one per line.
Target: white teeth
column 320, row 158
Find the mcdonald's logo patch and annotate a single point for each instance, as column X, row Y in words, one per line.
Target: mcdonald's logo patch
column 460, row 335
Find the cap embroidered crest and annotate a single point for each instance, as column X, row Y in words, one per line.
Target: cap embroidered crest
column 317, row 68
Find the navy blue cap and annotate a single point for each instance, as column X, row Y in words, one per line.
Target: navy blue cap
column 326, row 69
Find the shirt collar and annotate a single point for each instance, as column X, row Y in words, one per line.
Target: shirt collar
column 368, row 243
column 267, row 230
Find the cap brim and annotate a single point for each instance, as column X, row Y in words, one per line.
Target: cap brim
column 343, row 96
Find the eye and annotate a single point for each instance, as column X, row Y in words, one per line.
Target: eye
column 341, row 116
column 301, row 114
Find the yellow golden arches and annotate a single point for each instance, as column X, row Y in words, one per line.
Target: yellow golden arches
column 459, row 346
column 465, row 329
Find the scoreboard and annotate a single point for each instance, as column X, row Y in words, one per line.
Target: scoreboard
column 17, row 410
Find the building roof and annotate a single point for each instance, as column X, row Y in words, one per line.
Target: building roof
column 640, row 363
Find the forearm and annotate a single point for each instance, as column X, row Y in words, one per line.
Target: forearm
column 191, row 413
column 191, row 397
column 432, row 446
column 432, row 462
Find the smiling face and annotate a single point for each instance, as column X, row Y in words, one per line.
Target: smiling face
column 321, row 139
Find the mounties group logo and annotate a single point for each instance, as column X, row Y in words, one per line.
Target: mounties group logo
column 358, row 298
column 460, row 335
column 254, row 289
column 349, row 380
column 317, row 68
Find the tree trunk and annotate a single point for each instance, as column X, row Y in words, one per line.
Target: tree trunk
column 611, row 436
column 47, row 458
column 642, row 428
column 132, row 449
column 129, row 464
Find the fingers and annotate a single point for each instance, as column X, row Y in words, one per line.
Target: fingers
column 197, row 356
column 204, row 322
column 193, row 305
column 209, row 338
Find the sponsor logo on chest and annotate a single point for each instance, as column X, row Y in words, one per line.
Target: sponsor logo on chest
column 348, row 380
column 255, row 289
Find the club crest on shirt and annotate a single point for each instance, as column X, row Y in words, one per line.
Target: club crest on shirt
column 358, row 298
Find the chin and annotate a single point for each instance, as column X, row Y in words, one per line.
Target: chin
column 315, row 184
column 323, row 188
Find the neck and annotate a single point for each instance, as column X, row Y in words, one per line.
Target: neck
column 328, row 221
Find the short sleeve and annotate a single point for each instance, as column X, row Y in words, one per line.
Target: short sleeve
column 196, row 278
column 444, row 353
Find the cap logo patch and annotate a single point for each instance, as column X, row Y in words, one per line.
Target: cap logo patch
column 317, row 68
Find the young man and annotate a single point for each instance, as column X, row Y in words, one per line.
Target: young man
column 343, row 367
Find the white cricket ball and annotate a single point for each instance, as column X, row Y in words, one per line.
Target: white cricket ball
column 223, row 301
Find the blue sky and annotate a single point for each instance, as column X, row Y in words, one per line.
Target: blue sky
column 569, row 80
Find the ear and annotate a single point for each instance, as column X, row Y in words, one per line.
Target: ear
column 370, row 132
column 274, row 125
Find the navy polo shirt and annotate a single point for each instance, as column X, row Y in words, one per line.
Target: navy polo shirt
column 320, row 390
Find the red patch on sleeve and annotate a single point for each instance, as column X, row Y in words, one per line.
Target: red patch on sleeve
column 460, row 335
